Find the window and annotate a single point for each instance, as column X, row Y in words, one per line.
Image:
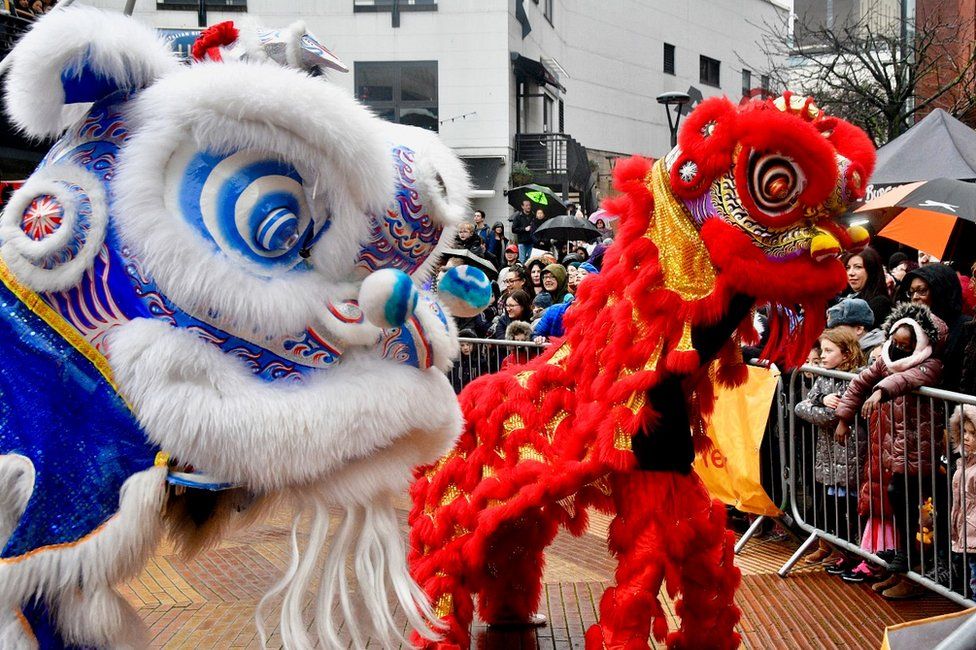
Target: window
column 387, row 5
column 668, row 58
column 400, row 91
column 547, row 10
column 746, row 82
column 708, row 71
column 193, row 5
column 764, row 84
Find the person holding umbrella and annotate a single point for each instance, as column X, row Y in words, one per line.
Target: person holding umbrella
column 527, row 198
column 522, row 229
column 538, row 219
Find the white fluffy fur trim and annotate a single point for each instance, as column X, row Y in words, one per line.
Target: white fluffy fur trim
column 77, row 580
column 206, row 409
column 331, row 140
column 23, row 254
column 442, row 182
column 115, row 46
column 16, row 487
column 14, row 634
column 923, row 347
column 364, row 567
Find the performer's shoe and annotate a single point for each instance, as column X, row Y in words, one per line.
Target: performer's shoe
column 534, row 620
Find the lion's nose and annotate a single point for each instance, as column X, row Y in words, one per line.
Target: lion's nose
column 831, row 242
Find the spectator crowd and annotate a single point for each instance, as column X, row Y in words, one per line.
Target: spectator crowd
column 887, row 472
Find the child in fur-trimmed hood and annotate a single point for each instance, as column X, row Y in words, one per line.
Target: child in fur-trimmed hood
column 962, row 433
column 900, row 426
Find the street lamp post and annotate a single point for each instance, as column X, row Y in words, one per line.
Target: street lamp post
column 678, row 100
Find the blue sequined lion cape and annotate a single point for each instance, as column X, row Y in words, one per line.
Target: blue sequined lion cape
column 214, row 280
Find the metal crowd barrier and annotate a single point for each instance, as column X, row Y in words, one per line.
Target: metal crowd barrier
column 790, row 453
column 829, row 511
column 484, row 356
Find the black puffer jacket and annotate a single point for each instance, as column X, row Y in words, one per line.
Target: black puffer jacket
column 946, row 296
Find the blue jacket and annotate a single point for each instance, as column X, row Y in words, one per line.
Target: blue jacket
column 551, row 323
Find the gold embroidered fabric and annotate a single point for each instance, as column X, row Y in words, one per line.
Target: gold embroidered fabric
column 684, row 260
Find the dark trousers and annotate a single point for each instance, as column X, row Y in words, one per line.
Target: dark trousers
column 839, row 513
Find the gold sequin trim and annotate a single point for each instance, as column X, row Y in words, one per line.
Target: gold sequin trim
column 528, row 452
column 451, row 493
column 684, row 260
column 621, row 440
column 568, row 504
column 602, row 485
column 684, row 344
column 639, row 322
column 444, row 606
column 513, row 422
column 55, row 321
column 554, row 423
column 523, row 378
column 636, row 401
column 487, row 471
column 559, row 355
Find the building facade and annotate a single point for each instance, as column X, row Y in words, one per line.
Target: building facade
column 566, row 86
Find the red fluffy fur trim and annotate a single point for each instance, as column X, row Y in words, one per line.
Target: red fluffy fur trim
column 707, row 139
column 212, row 39
column 852, row 143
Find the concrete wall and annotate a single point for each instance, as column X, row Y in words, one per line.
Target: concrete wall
column 610, row 50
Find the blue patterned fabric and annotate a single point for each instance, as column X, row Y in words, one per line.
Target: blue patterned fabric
column 58, row 410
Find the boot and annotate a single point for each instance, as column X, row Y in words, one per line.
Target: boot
column 821, row 554
column 903, row 590
column 887, row 583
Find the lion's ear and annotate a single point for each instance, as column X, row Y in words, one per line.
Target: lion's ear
column 78, row 55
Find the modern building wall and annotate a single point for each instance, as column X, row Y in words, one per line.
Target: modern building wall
column 608, row 55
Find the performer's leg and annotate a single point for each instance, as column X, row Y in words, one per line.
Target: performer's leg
column 513, row 560
column 627, row 609
column 700, row 565
column 666, row 524
column 437, row 563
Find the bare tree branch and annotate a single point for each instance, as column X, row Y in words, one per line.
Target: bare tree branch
column 864, row 72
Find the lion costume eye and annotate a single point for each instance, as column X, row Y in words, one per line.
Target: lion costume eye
column 247, row 203
column 774, row 182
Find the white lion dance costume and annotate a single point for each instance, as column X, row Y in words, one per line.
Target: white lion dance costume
column 214, row 279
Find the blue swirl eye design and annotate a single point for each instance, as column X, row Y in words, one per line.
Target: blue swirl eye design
column 248, row 204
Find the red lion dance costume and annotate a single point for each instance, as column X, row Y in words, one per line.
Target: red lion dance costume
column 739, row 214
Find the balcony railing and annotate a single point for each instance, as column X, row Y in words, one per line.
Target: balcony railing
column 554, row 158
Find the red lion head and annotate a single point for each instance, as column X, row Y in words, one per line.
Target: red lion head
column 749, row 198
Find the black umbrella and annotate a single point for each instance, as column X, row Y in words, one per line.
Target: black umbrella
column 566, row 228
column 473, row 260
column 935, row 216
column 540, row 197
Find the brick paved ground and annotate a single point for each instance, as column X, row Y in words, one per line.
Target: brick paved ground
column 209, row 601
